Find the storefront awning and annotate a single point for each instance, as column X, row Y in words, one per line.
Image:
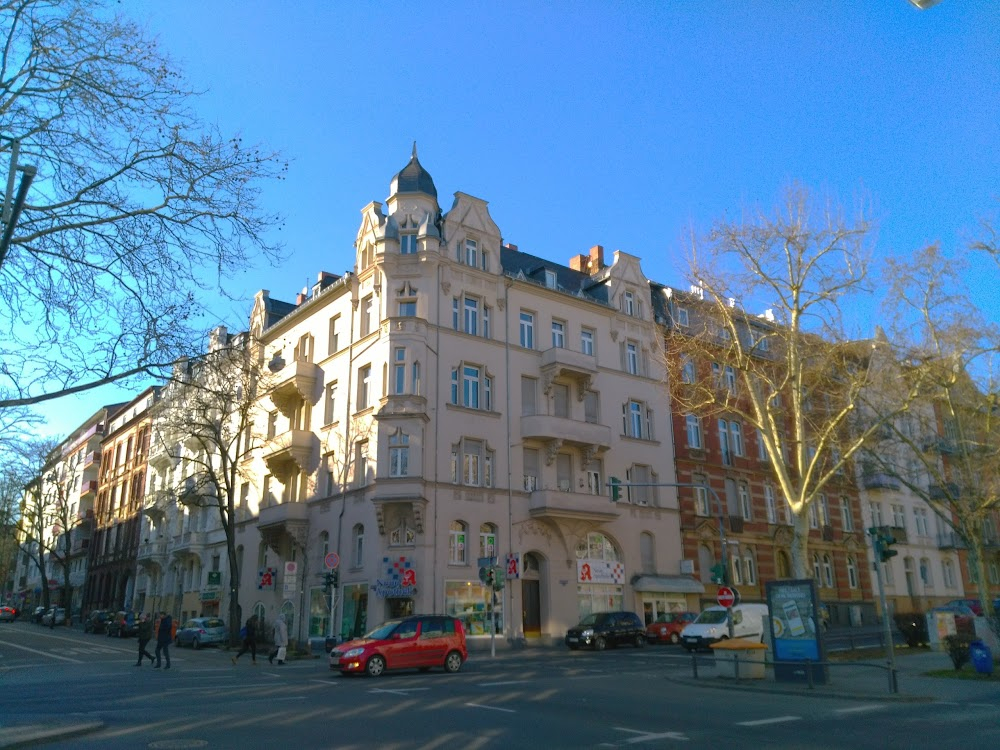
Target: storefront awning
column 668, row 584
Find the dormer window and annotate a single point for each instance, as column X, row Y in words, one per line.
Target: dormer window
column 471, row 253
column 682, row 317
column 367, row 255
column 631, row 306
column 550, row 279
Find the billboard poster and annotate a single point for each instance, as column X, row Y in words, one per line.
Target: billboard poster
column 796, row 631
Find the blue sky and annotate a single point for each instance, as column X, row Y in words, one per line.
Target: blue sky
column 583, row 123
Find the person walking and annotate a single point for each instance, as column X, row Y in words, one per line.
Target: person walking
column 164, row 633
column 280, row 640
column 249, row 634
column 145, row 635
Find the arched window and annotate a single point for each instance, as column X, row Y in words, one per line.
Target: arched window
column 852, row 573
column 488, row 545
column 816, row 573
column 827, row 571
column 457, row 532
column 647, row 552
column 596, row 546
column 749, row 567
column 948, row 573
column 737, row 567
column 358, row 545
column 925, row 572
column 783, row 564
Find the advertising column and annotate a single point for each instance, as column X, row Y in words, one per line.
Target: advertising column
column 796, row 631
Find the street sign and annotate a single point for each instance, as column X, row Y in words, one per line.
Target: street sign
column 726, row 596
column 332, row 560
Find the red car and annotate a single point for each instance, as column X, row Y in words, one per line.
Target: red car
column 668, row 626
column 417, row 642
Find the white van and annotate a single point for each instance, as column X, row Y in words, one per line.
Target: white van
column 749, row 621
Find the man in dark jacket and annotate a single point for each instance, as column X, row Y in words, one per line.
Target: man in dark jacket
column 163, row 636
column 249, row 640
column 145, row 636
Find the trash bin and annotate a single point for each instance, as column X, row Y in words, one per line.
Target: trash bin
column 982, row 657
column 739, row 658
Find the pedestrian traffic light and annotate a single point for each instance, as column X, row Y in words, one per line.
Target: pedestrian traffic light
column 331, row 580
column 616, row 489
column 498, row 578
column 718, row 573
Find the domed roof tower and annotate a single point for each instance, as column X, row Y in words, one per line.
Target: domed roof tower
column 413, row 178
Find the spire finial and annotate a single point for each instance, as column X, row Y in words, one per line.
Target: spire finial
column 414, row 149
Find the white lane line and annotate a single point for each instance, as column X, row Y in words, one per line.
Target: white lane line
column 492, row 708
column 40, row 653
column 772, row 720
column 859, row 709
column 505, row 682
column 324, row 682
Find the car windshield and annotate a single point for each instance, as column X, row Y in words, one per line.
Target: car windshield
column 588, row 620
column 712, row 617
column 383, row 631
column 214, row 622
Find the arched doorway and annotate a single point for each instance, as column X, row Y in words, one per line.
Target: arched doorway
column 531, row 596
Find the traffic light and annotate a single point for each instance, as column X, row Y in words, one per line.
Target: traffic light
column 498, row 578
column 886, row 541
column 616, row 489
column 718, row 573
column 331, row 580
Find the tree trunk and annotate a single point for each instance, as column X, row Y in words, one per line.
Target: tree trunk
column 800, row 544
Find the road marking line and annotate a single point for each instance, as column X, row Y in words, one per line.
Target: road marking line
column 650, row 736
column 774, row 720
column 40, row 653
column 859, row 709
column 505, row 682
column 324, row 682
column 492, row 708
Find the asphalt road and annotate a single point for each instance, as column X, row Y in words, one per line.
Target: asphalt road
column 527, row 699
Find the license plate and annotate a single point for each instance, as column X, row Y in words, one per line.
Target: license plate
column 572, row 640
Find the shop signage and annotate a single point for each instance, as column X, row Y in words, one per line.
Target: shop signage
column 398, row 580
column 266, row 579
column 210, row 596
column 796, row 631
column 215, row 578
column 599, row 571
column 513, row 566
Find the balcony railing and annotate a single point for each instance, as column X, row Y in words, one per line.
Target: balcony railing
column 556, row 504
column 94, row 457
column 570, row 431
column 879, row 481
column 88, row 489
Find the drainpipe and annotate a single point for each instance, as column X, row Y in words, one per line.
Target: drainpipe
column 339, row 600
column 508, row 622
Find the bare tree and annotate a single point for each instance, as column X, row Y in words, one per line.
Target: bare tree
column 946, row 450
column 790, row 371
column 137, row 205
column 30, row 467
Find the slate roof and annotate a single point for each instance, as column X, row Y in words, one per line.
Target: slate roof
column 413, row 178
column 515, row 262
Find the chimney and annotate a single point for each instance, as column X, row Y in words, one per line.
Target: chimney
column 511, row 246
column 590, row 263
column 301, row 296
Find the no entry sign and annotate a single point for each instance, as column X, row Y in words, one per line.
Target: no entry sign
column 726, row 596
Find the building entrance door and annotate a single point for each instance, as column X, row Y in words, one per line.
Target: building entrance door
column 531, row 620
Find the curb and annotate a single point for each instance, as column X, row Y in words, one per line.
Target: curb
column 32, row 734
column 719, row 683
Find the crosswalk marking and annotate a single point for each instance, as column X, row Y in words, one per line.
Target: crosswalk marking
column 772, row 720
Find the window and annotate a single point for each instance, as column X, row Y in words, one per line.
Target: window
column 816, row 570
column 402, row 535
column 876, row 511
column 682, row 317
column 407, row 243
column 631, row 358
column 993, row 570
column 688, row 373
column 827, row 571
column 746, row 506
column 476, row 390
column 272, row 428
column 361, row 463
column 730, row 380
column 527, row 330
column 358, row 545
column 641, row 476
column 824, row 511
column 693, row 426
column 456, row 543
column 587, row 341
column 558, row 334
column 724, row 446
column 472, row 463
column 737, row 568
column 367, row 256
column 920, row 521
column 852, row 573
column 925, row 572
column 846, row 517
column 560, row 400
column 472, row 253
column 770, row 504
column 594, row 484
column 783, row 564
column 590, row 407
column 407, row 308
column 750, row 568
column 898, row 517
column 948, row 573
column 631, row 305
column 399, row 370
column 550, row 279
column 364, row 386
column 529, row 395
column 637, row 420
column 487, row 540
column 399, row 454
column 813, row 516
column 367, row 310
column 530, row 457
column 701, row 506
column 330, row 403
column 761, row 448
column 736, row 438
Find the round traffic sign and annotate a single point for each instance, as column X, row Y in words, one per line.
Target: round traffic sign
column 332, row 560
column 726, row 596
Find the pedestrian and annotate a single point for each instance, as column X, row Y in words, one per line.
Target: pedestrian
column 164, row 632
column 145, row 636
column 280, row 640
column 249, row 636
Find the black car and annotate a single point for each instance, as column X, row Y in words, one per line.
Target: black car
column 602, row 629
column 97, row 621
column 122, row 625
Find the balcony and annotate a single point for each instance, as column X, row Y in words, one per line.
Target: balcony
column 879, row 481
column 92, row 459
column 950, row 540
column 152, row 554
column 188, row 543
column 89, row 490
column 898, row 533
column 559, row 362
column 568, row 431
column 557, row 505
column 289, row 450
column 284, row 521
column 295, row 383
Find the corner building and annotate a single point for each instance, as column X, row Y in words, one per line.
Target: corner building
column 454, row 399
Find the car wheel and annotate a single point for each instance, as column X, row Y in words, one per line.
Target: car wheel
column 195, row 644
column 600, row 644
column 640, row 641
column 675, row 638
column 375, row 666
column 573, row 648
column 453, row 662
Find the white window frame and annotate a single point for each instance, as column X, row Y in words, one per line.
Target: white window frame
column 558, row 334
column 587, row 341
column 526, row 335
column 692, row 426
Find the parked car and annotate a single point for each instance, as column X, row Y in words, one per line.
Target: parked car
column 602, row 629
column 749, row 621
column 38, row 614
column 122, row 625
column 201, row 631
column 7, row 614
column 97, row 621
column 418, row 641
column 58, row 614
column 668, row 626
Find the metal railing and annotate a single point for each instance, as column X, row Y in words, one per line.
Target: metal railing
column 808, row 664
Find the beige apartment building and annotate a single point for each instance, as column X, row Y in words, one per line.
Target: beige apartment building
column 453, row 401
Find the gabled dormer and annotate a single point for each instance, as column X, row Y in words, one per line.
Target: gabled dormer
column 471, row 236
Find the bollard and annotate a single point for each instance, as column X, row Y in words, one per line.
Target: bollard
column 694, row 664
column 736, row 665
column 893, row 682
column 809, row 673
